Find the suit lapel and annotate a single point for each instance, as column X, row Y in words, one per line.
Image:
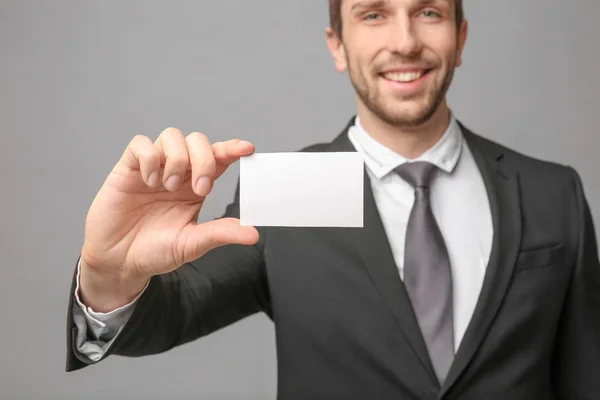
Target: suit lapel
column 502, row 188
column 373, row 245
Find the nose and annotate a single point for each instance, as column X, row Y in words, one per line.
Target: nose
column 403, row 39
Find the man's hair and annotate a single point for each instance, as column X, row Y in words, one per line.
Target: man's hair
column 335, row 15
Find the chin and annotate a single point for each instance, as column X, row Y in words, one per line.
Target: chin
column 407, row 115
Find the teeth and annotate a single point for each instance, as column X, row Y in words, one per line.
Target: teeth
column 403, row 77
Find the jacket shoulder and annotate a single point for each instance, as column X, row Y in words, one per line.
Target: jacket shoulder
column 521, row 162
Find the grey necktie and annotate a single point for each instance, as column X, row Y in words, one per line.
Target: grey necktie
column 427, row 274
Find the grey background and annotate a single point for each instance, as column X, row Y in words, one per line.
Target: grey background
column 78, row 79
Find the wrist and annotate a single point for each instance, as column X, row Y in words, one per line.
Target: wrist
column 105, row 291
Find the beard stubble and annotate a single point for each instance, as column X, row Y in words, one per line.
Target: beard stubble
column 372, row 98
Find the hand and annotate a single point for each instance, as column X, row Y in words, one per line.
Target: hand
column 142, row 222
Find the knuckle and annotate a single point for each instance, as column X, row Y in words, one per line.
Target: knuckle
column 177, row 162
column 205, row 165
column 139, row 140
column 148, row 155
column 142, row 146
column 197, row 135
column 138, row 137
column 171, row 132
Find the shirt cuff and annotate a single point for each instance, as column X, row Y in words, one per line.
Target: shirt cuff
column 96, row 331
column 105, row 323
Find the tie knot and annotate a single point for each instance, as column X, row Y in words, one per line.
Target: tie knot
column 417, row 174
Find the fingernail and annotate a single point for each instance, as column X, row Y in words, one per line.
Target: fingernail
column 153, row 179
column 173, row 182
column 203, row 186
column 245, row 143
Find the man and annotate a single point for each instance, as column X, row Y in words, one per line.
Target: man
column 476, row 275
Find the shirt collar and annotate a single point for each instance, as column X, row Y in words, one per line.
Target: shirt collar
column 381, row 160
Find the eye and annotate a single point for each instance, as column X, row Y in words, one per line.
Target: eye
column 430, row 14
column 373, row 16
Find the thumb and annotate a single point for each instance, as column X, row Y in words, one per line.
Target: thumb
column 199, row 239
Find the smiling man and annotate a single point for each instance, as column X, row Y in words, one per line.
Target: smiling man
column 475, row 277
column 401, row 57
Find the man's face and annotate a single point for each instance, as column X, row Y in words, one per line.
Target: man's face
column 400, row 55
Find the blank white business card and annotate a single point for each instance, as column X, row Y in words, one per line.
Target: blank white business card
column 302, row 189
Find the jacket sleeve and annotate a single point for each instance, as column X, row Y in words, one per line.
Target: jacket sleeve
column 225, row 285
column 576, row 365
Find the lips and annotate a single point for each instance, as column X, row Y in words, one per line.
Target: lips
column 405, row 76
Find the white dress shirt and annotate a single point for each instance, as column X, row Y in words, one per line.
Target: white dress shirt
column 459, row 203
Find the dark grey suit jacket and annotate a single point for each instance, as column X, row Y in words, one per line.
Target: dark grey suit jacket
column 344, row 325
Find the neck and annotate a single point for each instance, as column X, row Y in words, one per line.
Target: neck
column 409, row 142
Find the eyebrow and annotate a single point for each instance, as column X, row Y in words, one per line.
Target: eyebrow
column 383, row 3
column 427, row 2
column 369, row 4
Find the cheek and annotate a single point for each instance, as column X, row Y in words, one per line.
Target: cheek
column 364, row 49
column 441, row 43
column 362, row 54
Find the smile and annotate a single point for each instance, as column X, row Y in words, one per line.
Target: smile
column 405, row 77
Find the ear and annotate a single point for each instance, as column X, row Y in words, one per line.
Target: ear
column 336, row 47
column 462, row 39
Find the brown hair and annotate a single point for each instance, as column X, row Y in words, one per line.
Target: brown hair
column 335, row 15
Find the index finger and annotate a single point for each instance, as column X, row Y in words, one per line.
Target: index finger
column 226, row 153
